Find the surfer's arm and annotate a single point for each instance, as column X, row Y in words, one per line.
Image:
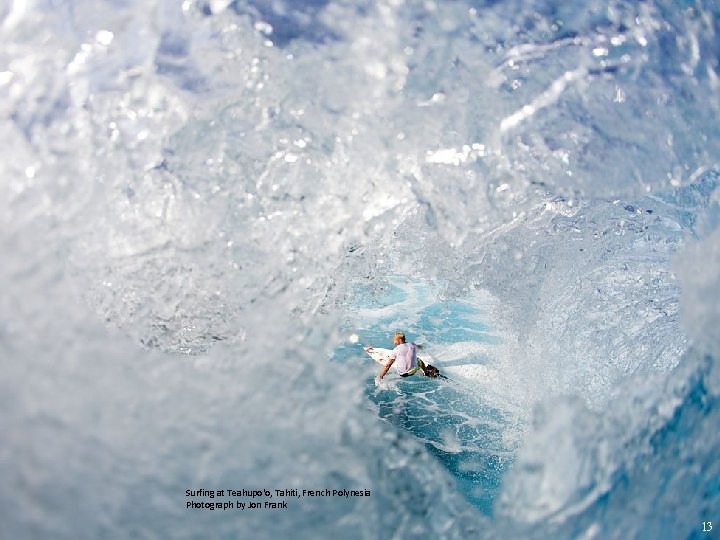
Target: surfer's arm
column 387, row 367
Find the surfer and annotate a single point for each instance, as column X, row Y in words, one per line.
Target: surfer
column 404, row 356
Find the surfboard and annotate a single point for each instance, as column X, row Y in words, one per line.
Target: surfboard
column 380, row 355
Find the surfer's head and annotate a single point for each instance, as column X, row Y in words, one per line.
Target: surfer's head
column 398, row 338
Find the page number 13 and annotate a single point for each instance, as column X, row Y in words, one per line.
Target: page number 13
column 707, row 526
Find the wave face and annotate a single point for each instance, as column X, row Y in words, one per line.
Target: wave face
column 201, row 200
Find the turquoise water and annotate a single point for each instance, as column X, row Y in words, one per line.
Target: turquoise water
column 459, row 428
column 463, row 433
column 190, row 190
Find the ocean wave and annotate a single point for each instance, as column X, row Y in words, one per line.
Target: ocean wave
column 194, row 193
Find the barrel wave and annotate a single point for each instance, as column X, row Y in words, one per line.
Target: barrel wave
column 203, row 201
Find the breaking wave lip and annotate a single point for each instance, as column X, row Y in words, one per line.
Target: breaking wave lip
column 520, row 401
column 196, row 170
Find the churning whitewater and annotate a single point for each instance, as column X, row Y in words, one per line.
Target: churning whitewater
column 203, row 200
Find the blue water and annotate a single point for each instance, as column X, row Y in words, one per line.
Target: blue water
column 202, row 201
column 441, row 416
column 461, row 430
